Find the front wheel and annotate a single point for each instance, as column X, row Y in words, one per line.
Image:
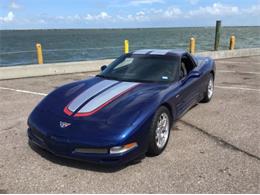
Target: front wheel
column 159, row 131
column 209, row 90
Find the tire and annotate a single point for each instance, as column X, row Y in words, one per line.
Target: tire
column 209, row 91
column 162, row 116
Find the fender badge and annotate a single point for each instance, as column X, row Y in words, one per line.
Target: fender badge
column 64, row 124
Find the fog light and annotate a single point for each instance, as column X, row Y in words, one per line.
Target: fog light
column 122, row 149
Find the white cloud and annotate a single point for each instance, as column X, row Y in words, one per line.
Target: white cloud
column 14, row 5
column 141, row 16
column 172, row 12
column 100, row 16
column 216, row 9
column 89, row 17
column 73, row 18
column 9, row 18
column 146, row 16
column 151, row 15
column 141, row 2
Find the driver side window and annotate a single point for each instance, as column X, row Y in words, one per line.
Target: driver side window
column 186, row 66
column 183, row 71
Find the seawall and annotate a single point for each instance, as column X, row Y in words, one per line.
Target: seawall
column 93, row 66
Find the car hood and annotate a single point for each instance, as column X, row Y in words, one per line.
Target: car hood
column 97, row 103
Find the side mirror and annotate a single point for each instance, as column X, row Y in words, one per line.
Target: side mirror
column 103, row 67
column 194, row 74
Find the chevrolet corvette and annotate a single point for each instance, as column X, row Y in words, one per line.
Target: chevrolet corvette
column 126, row 111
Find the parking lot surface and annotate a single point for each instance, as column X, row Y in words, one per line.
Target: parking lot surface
column 214, row 148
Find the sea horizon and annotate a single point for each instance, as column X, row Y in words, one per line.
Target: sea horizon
column 126, row 28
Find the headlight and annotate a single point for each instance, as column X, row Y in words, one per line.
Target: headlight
column 123, row 149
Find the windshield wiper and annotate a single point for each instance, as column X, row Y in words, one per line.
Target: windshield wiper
column 106, row 77
column 127, row 80
column 99, row 75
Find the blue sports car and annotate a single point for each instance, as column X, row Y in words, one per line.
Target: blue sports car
column 124, row 112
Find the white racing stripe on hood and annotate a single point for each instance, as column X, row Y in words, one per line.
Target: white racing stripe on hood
column 160, row 52
column 90, row 92
column 107, row 96
column 142, row 51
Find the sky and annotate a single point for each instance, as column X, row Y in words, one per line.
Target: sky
column 56, row 14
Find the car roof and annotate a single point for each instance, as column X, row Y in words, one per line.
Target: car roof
column 163, row 52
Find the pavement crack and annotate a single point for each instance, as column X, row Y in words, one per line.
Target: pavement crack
column 10, row 127
column 219, row 140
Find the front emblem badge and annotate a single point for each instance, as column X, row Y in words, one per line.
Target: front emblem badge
column 64, row 124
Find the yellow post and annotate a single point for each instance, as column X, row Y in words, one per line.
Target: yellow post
column 39, row 53
column 192, row 45
column 126, row 46
column 232, row 42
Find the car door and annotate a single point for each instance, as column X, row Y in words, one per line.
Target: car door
column 188, row 90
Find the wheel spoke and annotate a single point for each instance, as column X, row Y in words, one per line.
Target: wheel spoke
column 162, row 131
column 210, row 88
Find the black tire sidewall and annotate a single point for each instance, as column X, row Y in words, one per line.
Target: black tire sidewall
column 206, row 95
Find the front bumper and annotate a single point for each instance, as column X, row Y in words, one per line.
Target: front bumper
column 63, row 147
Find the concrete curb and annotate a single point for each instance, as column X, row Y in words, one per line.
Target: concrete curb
column 230, row 53
column 91, row 66
column 51, row 69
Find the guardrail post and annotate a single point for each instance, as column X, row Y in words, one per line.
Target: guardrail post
column 217, row 34
column 232, row 42
column 39, row 53
column 126, row 46
column 192, row 45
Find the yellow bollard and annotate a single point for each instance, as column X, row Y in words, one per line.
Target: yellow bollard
column 126, row 46
column 232, row 42
column 192, row 45
column 39, row 53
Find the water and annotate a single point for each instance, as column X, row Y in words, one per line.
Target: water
column 18, row 46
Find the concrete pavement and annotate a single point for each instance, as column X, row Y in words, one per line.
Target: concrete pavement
column 214, row 148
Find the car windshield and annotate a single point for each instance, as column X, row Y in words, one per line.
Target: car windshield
column 143, row 68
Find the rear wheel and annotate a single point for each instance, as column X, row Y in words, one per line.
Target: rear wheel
column 209, row 90
column 159, row 131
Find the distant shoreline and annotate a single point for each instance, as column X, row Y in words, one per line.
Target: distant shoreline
column 123, row 28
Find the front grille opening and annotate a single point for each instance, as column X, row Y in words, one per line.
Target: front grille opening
column 92, row 150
